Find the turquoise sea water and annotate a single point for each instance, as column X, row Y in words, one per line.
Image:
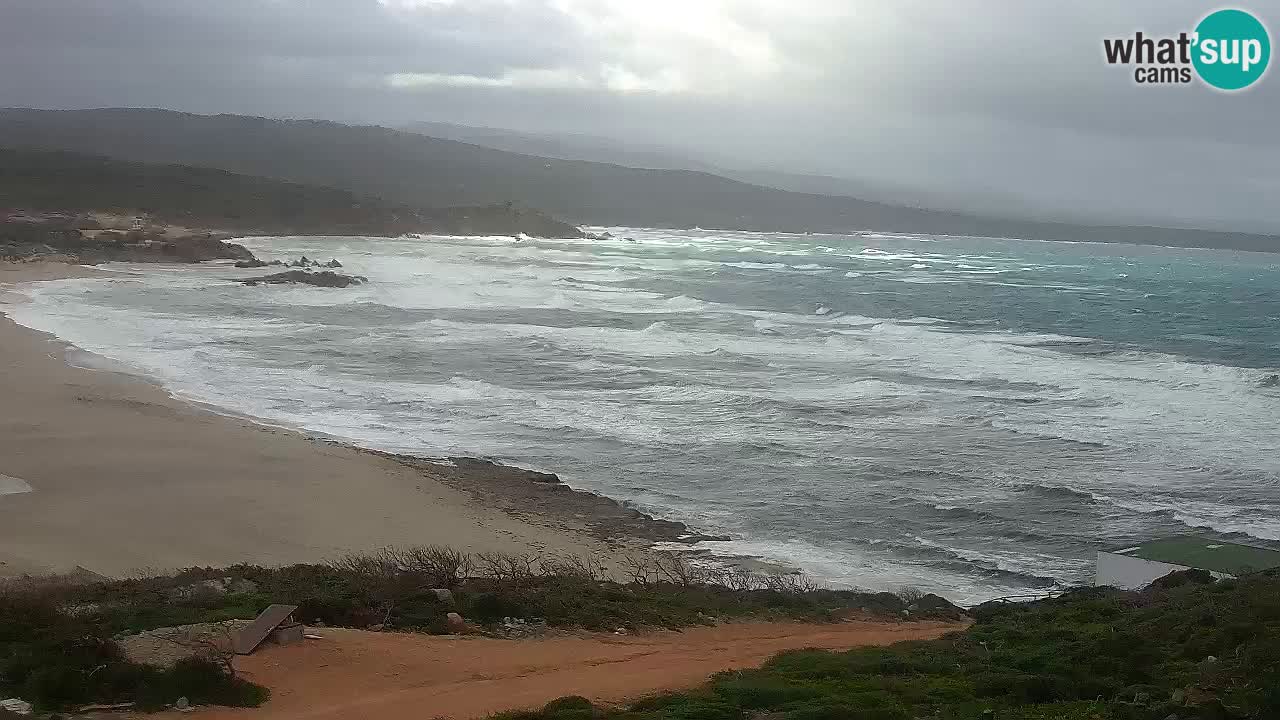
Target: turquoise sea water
column 965, row 415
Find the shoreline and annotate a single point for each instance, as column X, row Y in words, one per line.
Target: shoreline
column 126, row 477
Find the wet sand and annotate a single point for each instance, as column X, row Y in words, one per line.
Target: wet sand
column 125, row 478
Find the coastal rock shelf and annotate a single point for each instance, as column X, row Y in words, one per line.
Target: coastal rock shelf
column 523, row 492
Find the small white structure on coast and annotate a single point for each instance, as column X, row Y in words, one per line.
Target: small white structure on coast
column 1136, row 566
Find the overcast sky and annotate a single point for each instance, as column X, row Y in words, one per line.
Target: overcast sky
column 1010, row 98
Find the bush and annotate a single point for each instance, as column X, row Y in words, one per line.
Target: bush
column 392, row 588
column 1091, row 654
column 201, row 681
column 55, row 660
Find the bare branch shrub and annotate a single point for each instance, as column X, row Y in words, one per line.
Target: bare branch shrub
column 436, row 566
column 214, row 643
column 515, row 568
column 573, row 567
column 676, row 569
column 910, row 594
column 791, row 583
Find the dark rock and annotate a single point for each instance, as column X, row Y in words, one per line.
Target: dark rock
column 254, row 263
column 456, row 624
column 520, row 491
column 24, row 240
column 541, row 477
column 444, row 595
column 1178, row 578
column 530, row 475
column 306, row 262
column 326, row 278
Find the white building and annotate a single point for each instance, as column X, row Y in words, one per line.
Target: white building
column 1137, row 566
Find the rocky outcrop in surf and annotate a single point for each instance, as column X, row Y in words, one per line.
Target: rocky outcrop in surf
column 325, row 278
column 305, row 262
column 256, row 263
column 54, row 237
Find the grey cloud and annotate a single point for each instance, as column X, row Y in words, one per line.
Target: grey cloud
column 1012, row 97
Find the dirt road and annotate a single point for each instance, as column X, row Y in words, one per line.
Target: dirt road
column 353, row 675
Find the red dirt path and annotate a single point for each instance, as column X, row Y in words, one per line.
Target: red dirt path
column 353, row 675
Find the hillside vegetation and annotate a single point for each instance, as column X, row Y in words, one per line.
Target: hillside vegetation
column 420, row 171
column 53, row 635
column 1192, row 649
column 1189, row 648
column 209, row 198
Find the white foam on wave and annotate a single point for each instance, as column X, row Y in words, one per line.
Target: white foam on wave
column 847, row 568
column 726, row 378
column 13, row 486
column 1156, row 401
column 1260, row 522
column 1016, row 561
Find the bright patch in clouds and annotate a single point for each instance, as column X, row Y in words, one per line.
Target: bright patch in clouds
column 532, row 79
column 626, row 46
column 611, row 78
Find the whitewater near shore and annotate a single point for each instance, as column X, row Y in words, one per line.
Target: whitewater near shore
column 968, row 416
column 111, row 473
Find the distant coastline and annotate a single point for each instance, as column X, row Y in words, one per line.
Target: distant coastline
column 411, row 170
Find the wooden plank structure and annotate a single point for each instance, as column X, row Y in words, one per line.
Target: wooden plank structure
column 271, row 619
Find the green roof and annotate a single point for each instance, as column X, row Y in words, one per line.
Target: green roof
column 1206, row 554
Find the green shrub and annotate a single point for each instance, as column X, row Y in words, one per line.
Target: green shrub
column 201, row 681
column 55, row 660
column 1186, row 649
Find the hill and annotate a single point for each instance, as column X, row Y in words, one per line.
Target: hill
column 422, row 171
column 205, row 197
column 576, row 146
column 567, row 146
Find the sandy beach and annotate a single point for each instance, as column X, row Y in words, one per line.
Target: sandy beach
column 126, row 478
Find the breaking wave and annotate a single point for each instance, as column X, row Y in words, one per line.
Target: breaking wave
column 882, row 410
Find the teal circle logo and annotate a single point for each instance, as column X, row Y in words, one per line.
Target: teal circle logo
column 1232, row 49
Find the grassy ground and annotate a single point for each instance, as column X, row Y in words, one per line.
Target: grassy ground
column 1191, row 649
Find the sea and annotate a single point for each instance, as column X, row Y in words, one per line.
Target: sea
column 969, row 416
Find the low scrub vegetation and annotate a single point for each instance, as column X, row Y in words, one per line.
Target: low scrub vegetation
column 395, row 589
column 58, row 649
column 56, row 659
column 1189, row 648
